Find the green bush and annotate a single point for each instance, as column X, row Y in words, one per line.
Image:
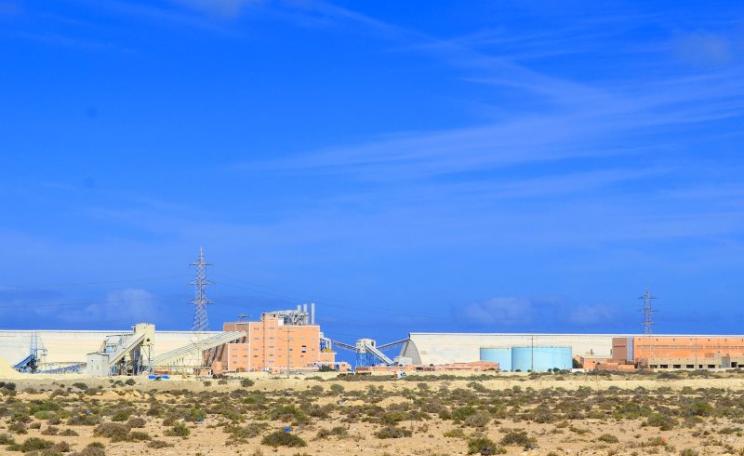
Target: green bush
column 455, row 433
column 121, row 415
column 248, row 431
column 136, row 422
column 484, row 446
column 663, row 422
column 94, row 449
column 338, row 431
column 608, row 438
column 460, row 413
column 519, row 438
column 480, row 419
column 115, row 431
column 392, row 432
column 158, row 444
column 6, row 439
column 35, row 443
column 698, row 408
column 280, row 438
column 138, row 436
column 246, row 382
column 178, row 430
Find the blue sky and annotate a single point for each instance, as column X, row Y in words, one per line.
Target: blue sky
column 408, row 166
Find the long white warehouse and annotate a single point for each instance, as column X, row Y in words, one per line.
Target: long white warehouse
column 445, row 348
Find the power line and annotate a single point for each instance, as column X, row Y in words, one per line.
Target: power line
column 648, row 312
column 201, row 322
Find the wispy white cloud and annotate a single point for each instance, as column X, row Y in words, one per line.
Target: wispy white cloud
column 129, row 304
column 503, row 311
column 220, row 8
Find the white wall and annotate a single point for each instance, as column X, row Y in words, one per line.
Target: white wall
column 72, row 346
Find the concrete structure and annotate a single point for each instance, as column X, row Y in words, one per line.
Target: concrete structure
column 680, row 351
column 593, row 362
column 446, row 348
column 123, row 354
column 276, row 343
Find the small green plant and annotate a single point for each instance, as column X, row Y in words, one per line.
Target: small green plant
column 338, row 431
column 35, row 443
column 6, row 439
column 138, row 436
column 484, row 446
column 608, row 438
column 117, row 432
column 519, row 438
column 392, row 432
column 178, row 430
column 136, row 422
column 280, row 438
column 479, row 420
column 156, row 444
column 455, row 433
column 93, row 449
column 246, row 382
column 663, row 422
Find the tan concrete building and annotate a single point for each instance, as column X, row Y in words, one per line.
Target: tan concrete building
column 681, row 352
column 273, row 344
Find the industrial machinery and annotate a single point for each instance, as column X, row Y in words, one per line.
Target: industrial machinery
column 123, row 354
column 36, row 356
column 369, row 353
column 191, row 356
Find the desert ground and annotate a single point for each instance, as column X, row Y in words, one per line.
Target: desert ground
column 687, row 413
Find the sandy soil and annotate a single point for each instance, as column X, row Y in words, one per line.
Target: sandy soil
column 710, row 434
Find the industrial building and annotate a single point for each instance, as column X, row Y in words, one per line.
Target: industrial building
column 280, row 341
column 679, row 351
column 291, row 340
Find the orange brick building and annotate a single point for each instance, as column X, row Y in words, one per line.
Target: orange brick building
column 681, row 352
column 273, row 344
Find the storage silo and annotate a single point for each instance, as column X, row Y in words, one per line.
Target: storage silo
column 501, row 355
column 541, row 359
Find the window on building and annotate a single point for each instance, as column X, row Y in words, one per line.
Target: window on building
column 304, row 349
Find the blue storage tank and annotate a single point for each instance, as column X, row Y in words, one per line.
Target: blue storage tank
column 541, row 359
column 501, row 355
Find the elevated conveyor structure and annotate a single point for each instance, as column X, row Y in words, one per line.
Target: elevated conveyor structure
column 123, row 353
column 191, row 356
column 368, row 348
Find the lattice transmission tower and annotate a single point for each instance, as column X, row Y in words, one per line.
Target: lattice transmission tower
column 200, row 283
column 648, row 312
